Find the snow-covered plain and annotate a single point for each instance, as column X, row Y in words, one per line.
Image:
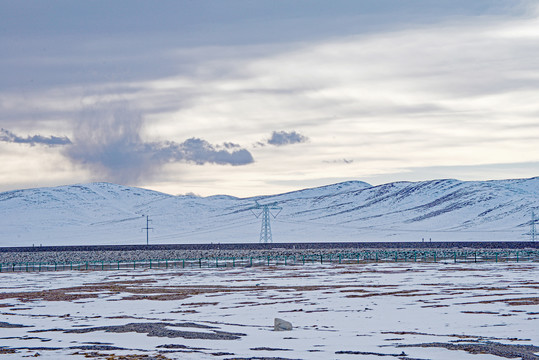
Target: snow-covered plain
column 441, row 210
column 352, row 311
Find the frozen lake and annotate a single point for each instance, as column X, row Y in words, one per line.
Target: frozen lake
column 353, row 311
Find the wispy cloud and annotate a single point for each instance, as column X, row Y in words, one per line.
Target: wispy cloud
column 339, row 161
column 8, row 136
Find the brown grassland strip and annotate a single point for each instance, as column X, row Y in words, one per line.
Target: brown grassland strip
column 138, row 292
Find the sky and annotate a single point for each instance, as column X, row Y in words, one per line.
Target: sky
column 247, row 98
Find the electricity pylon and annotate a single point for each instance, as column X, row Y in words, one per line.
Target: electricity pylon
column 266, row 211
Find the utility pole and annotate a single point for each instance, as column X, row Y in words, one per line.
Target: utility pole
column 265, row 229
column 147, row 228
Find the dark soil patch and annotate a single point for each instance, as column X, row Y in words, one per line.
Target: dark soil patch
column 509, row 351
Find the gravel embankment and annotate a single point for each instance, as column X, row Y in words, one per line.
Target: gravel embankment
column 156, row 252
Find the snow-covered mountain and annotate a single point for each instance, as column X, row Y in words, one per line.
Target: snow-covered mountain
column 103, row 213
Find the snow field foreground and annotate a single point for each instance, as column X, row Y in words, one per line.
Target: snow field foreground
column 354, row 311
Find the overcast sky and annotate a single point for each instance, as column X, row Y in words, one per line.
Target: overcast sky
column 246, row 97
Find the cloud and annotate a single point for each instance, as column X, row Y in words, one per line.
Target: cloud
column 108, row 142
column 453, row 90
column 280, row 138
column 8, row 136
column 200, row 151
column 339, row 161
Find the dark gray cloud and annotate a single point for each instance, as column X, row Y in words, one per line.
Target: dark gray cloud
column 109, row 143
column 8, row 136
column 280, row 138
column 61, row 42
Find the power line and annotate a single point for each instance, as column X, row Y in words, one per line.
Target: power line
column 377, row 228
column 207, row 231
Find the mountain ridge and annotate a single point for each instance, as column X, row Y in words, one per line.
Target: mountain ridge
column 105, row 213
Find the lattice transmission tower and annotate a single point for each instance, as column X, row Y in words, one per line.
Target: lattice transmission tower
column 265, row 211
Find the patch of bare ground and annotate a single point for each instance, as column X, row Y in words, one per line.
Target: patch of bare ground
column 8, row 325
column 510, row 351
column 259, row 358
column 476, row 288
column 66, row 294
column 138, row 292
column 512, row 302
column 125, row 282
column 481, row 312
column 392, row 293
column 458, row 336
column 104, row 356
column 348, row 352
column 184, row 312
column 451, row 269
column 162, row 329
column 7, row 350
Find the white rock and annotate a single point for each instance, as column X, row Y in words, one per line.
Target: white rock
column 282, row 325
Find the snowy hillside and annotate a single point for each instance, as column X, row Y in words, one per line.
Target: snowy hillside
column 103, row 213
